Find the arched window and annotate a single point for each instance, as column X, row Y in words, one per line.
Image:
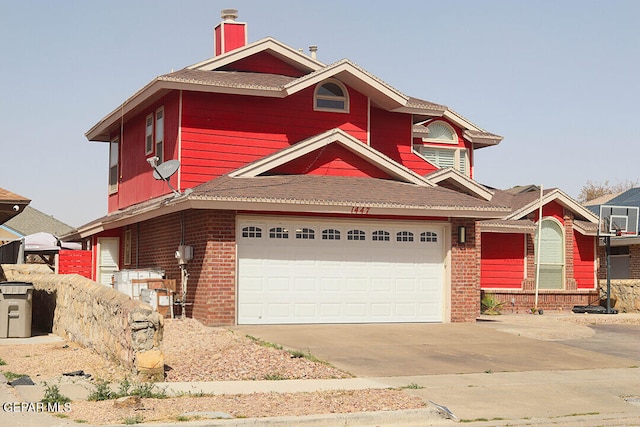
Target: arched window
column 331, row 95
column 278, row 233
column 330, row 234
column 380, row 236
column 441, row 132
column 551, row 254
column 433, row 150
column 356, row 235
column 404, row 236
column 428, row 236
column 252, row 232
column 305, row 233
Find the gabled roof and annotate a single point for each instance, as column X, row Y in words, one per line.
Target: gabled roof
column 32, row 221
column 11, row 204
column 554, row 195
column 270, row 45
column 333, row 136
column 336, row 195
column 631, row 197
column 460, row 182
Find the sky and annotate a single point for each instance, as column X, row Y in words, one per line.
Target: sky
column 557, row 79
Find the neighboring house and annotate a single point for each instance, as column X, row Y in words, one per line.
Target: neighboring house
column 32, row 221
column 568, row 258
column 309, row 193
column 11, row 204
column 625, row 250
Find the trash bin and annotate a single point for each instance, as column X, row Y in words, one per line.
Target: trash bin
column 16, row 306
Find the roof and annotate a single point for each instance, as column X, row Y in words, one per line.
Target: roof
column 11, row 204
column 631, row 197
column 305, row 193
column 32, row 221
column 206, row 76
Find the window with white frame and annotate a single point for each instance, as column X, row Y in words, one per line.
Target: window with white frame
column 428, row 236
column 148, row 135
column 252, row 232
column 356, row 235
column 380, row 236
column 330, row 234
column 441, row 133
column 331, row 95
column 305, row 233
column 551, row 254
column 278, row 233
column 114, row 149
column 404, row 236
column 160, row 134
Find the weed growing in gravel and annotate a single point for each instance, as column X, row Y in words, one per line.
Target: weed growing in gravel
column 145, row 390
column 2, row 362
column 10, row 376
column 274, row 377
column 81, row 421
column 264, row 343
column 137, row 419
column 413, row 386
column 52, row 395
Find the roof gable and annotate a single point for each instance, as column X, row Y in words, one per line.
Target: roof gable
column 460, row 182
column 554, row 195
column 333, row 136
column 270, row 45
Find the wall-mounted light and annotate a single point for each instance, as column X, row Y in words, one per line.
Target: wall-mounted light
column 462, row 235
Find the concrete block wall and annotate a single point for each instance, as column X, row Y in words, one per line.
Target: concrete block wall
column 98, row 317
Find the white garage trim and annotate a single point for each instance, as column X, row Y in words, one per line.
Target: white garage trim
column 335, row 270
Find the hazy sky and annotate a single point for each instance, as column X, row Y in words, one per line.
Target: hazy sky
column 558, row 79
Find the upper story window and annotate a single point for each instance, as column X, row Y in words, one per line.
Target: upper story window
column 148, row 135
column 160, row 134
column 331, row 95
column 433, row 149
column 114, row 149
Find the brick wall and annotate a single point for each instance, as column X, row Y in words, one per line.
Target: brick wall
column 465, row 272
column 634, row 262
column 212, row 272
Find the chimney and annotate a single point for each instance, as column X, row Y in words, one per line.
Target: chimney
column 229, row 34
column 314, row 51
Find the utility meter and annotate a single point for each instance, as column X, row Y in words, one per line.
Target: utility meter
column 184, row 254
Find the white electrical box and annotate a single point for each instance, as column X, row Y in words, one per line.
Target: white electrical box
column 184, row 254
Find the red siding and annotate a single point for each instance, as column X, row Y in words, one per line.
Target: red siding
column 75, row 262
column 391, row 135
column 332, row 160
column 553, row 209
column 263, row 62
column 502, row 260
column 221, row 133
column 584, row 260
column 137, row 183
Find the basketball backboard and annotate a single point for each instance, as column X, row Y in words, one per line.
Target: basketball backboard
column 618, row 220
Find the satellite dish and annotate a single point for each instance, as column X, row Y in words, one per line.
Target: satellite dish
column 165, row 170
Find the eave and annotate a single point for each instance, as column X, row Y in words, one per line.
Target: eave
column 557, row 196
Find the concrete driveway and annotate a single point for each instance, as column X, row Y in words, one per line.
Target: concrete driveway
column 510, row 343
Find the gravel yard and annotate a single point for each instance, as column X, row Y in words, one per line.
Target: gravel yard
column 194, row 352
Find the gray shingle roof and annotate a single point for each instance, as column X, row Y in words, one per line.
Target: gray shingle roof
column 31, row 221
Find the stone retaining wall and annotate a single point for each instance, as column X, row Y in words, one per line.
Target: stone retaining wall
column 95, row 316
column 625, row 292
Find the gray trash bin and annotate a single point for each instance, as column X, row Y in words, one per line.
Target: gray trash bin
column 16, row 306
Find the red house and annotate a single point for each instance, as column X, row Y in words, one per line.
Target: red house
column 309, row 193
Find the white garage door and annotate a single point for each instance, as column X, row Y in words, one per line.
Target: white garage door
column 338, row 271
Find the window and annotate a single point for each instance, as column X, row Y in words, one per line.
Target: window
column 278, row 233
column 551, row 255
column 305, row 233
column 441, row 132
column 331, row 96
column 356, row 235
column 113, row 165
column 380, row 236
column 456, row 158
column 252, row 232
column 148, row 135
column 330, row 234
column 160, row 134
column 404, row 236
column 428, row 236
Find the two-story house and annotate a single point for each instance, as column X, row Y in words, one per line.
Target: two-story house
column 308, row 192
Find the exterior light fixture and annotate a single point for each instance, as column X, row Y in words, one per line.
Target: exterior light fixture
column 462, row 235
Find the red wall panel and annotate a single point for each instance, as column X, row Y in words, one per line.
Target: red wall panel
column 221, row 133
column 584, row 259
column 502, row 260
column 264, row 63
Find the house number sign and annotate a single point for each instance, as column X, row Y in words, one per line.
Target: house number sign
column 360, row 210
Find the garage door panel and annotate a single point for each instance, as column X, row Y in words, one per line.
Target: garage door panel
column 339, row 281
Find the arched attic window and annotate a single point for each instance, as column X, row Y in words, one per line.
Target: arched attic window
column 433, row 149
column 331, row 95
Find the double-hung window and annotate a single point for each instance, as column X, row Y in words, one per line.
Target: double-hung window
column 114, row 149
